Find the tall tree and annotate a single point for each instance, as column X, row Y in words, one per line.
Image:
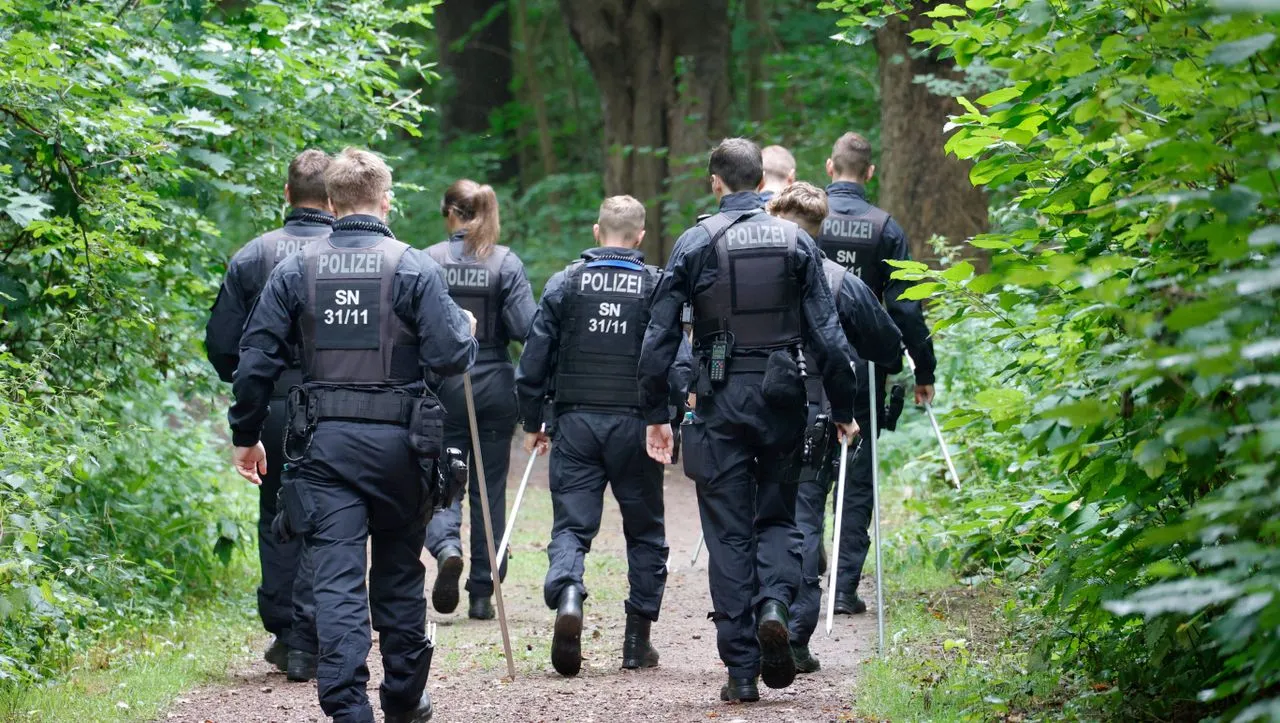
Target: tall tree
column 662, row 70
column 476, row 57
column 927, row 191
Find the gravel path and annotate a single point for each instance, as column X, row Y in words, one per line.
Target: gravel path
column 467, row 672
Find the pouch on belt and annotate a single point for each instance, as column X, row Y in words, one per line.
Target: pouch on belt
column 696, row 450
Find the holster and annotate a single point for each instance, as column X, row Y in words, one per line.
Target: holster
column 301, row 412
column 897, row 397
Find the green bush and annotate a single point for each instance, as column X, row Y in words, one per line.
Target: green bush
column 1133, row 307
column 133, row 132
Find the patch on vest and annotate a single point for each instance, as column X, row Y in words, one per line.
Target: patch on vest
column 337, row 264
column 853, row 229
column 611, row 282
column 347, row 314
column 754, row 236
column 288, row 246
column 466, row 277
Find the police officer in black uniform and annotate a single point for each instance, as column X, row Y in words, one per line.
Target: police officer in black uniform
column 863, row 239
column 489, row 281
column 779, row 172
column 369, row 314
column 285, row 602
column 759, row 301
column 873, row 335
column 582, row 353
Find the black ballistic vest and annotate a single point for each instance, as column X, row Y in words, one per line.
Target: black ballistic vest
column 350, row 332
column 606, row 310
column 854, row 243
column 277, row 246
column 754, row 296
column 477, row 287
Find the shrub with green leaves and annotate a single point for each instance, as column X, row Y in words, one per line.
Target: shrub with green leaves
column 1133, row 302
column 134, row 131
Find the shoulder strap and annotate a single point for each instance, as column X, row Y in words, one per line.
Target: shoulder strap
column 716, row 225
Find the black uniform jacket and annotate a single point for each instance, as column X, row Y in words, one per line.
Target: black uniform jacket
column 692, row 269
column 240, row 288
column 419, row 297
column 537, row 364
column 851, row 198
column 870, row 330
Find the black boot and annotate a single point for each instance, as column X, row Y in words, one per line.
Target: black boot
column 481, row 608
column 421, row 714
column 444, row 593
column 848, row 603
column 806, row 662
column 637, row 652
column 277, row 653
column 302, row 666
column 740, row 689
column 777, row 667
column 566, row 643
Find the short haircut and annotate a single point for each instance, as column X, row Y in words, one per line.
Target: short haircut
column 306, row 177
column 621, row 216
column 738, row 163
column 851, row 155
column 803, row 203
column 778, row 163
column 357, row 180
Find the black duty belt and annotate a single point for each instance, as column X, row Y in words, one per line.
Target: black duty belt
column 493, row 354
column 360, row 406
column 748, row 365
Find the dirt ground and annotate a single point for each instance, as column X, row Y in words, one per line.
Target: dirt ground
column 467, row 673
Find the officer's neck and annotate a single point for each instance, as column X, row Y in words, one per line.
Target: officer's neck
column 774, row 188
column 310, row 206
column 617, row 244
column 352, row 212
column 849, row 179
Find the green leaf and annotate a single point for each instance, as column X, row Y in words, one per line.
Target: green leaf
column 959, row 272
column 946, row 10
column 988, row 242
column 1100, row 193
column 1237, row 202
column 921, row 291
column 1240, row 50
column 25, row 208
column 217, row 162
column 996, row 97
column 1265, row 236
column 1188, row 597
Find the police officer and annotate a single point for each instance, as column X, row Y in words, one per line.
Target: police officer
column 873, row 336
column 489, row 281
column 285, row 603
column 779, row 172
column 369, row 314
column 863, row 239
column 759, row 300
column 582, row 353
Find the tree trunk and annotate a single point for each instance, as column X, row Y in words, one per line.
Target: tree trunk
column 475, row 54
column 757, row 47
column 927, row 191
column 662, row 70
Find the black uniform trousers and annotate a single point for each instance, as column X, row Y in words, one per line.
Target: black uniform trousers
column 588, row 451
column 361, row 481
column 811, row 506
column 285, row 601
column 494, row 386
column 742, row 455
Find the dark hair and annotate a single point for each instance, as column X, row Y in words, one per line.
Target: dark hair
column 476, row 206
column 738, row 163
column 306, row 178
column 851, row 156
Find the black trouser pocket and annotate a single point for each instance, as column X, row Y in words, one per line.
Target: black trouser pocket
column 699, row 464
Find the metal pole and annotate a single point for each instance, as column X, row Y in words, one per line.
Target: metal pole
column 875, row 501
column 835, row 536
column 488, row 524
column 702, row 540
column 515, row 508
column 933, row 419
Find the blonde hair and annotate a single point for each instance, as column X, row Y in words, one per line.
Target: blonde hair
column 803, row 203
column 778, row 163
column 306, row 178
column 476, row 206
column 621, row 216
column 356, row 180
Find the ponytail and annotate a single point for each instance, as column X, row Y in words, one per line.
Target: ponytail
column 476, row 206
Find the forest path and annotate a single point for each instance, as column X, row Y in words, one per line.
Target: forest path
column 466, row 675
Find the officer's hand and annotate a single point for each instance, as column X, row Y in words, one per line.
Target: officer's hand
column 691, row 401
column 848, row 431
column 924, row 394
column 471, row 318
column 536, row 442
column 659, row 442
column 251, row 462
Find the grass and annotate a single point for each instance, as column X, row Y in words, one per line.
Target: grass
column 135, row 677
